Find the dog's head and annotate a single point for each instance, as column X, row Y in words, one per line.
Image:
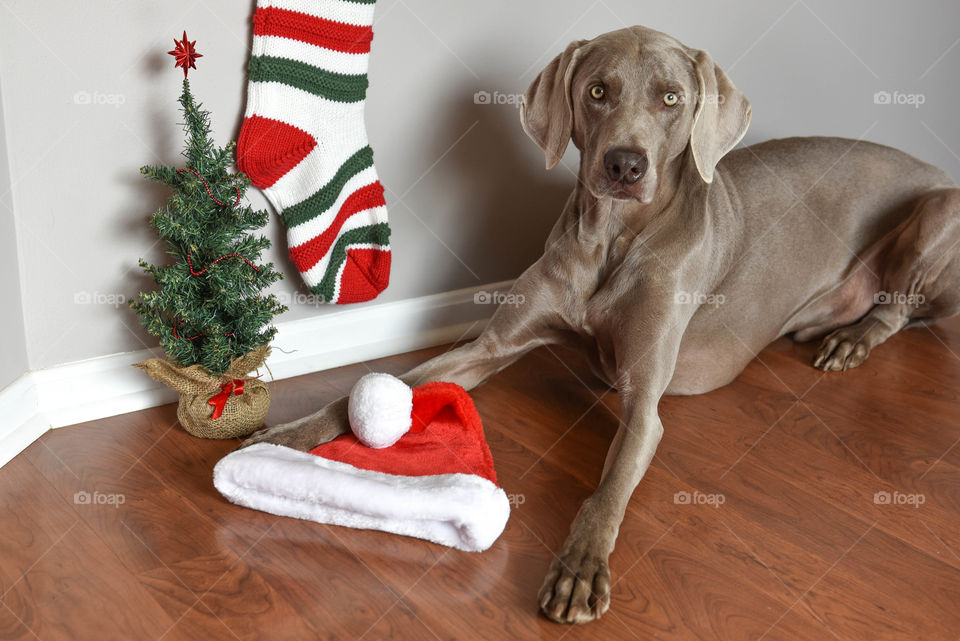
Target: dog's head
column 634, row 101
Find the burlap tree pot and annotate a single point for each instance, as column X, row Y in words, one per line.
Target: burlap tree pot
column 216, row 406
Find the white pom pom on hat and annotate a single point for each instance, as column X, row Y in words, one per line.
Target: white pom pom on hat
column 380, row 410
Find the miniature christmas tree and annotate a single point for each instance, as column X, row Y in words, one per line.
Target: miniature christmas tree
column 208, row 309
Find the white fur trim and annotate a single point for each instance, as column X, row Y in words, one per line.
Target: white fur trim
column 462, row 511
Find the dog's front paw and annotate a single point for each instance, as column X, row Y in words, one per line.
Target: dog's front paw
column 285, row 434
column 306, row 433
column 299, row 435
column 577, row 587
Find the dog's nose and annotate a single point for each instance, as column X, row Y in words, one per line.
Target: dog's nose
column 624, row 164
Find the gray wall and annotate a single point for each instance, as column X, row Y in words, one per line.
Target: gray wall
column 469, row 201
column 13, row 351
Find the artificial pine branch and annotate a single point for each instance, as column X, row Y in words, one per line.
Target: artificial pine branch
column 213, row 317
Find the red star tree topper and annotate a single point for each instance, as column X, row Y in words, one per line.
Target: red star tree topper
column 185, row 54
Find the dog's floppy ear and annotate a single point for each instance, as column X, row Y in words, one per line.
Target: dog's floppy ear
column 722, row 116
column 547, row 109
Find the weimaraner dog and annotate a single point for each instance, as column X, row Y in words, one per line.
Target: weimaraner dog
column 675, row 261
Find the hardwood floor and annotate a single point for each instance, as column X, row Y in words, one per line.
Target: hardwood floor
column 759, row 518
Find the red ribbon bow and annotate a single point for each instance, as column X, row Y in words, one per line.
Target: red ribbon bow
column 219, row 401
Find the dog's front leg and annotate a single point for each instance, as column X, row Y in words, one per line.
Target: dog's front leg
column 528, row 319
column 577, row 586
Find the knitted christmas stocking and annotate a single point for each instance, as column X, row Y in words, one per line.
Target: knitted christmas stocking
column 303, row 142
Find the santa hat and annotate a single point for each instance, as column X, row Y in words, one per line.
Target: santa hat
column 416, row 464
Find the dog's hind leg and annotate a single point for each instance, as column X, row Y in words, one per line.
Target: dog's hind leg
column 920, row 282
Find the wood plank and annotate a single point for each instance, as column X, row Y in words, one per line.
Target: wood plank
column 57, row 574
column 188, row 564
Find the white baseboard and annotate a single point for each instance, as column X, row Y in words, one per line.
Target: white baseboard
column 22, row 424
column 107, row 385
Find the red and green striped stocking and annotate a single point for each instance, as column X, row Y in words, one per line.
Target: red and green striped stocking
column 303, row 142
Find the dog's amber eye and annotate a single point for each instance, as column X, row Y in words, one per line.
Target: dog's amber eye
column 670, row 99
column 597, row 92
